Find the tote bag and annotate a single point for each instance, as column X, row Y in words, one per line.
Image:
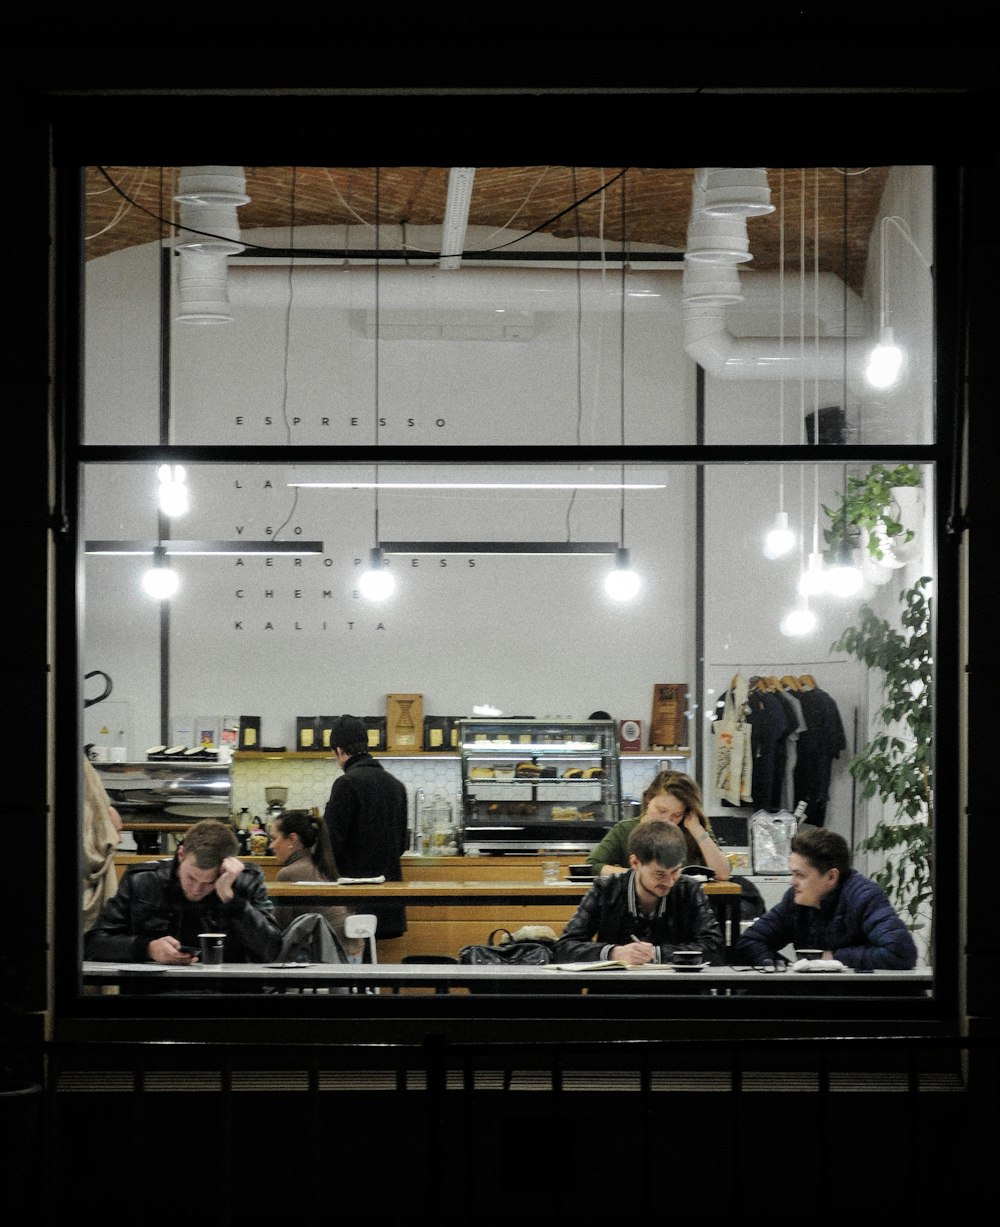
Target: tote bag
column 733, row 755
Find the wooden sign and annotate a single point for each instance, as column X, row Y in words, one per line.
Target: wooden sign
column 404, row 723
column 668, row 726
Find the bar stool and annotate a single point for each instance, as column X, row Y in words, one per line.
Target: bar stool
column 363, row 924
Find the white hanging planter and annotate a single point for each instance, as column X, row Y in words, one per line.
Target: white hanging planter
column 908, row 509
column 909, row 505
column 877, row 571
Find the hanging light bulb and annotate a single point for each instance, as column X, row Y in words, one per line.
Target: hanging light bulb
column 174, row 498
column 798, row 621
column 780, row 539
column 622, row 583
column 377, row 582
column 844, row 578
column 160, row 581
column 884, row 362
column 813, row 579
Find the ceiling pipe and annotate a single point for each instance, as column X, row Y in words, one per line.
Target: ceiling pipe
column 531, row 289
column 835, row 313
column 710, row 341
column 736, row 341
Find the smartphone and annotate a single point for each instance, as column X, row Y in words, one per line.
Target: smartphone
column 190, row 950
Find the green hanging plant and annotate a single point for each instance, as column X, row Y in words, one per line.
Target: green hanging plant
column 867, row 504
column 896, row 764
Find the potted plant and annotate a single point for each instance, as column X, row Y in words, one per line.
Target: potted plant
column 870, row 512
column 895, row 765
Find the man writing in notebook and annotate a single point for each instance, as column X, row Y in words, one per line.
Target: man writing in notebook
column 644, row 915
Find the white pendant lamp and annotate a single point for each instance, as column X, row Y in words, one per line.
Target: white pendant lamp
column 780, row 538
column 174, row 498
column 622, row 583
column 813, row 579
column 798, row 621
column 377, row 582
column 884, row 362
column 161, row 581
column 844, row 578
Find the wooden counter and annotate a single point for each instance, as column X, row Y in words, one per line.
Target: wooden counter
column 123, row 859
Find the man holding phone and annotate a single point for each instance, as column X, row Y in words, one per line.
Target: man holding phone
column 161, row 906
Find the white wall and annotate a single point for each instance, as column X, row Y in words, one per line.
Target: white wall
column 282, row 638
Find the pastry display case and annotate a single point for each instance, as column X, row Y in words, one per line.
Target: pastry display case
column 529, row 785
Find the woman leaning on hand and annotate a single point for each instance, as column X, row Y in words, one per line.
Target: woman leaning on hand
column 673, row 797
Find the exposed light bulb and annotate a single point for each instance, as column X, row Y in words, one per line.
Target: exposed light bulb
column 798, row 621
column 780, row 539
column 174, row 497
column 884, row 362
column 814, row 578
column 844, row 578
column 622, row 583
column 377, row 582
column 161, row 581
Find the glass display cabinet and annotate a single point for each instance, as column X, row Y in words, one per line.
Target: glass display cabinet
column 529, row 785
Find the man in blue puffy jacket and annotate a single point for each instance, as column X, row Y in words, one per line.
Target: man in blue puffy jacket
column 830, row 907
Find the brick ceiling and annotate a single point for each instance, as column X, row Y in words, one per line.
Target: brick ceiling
column 124, row 205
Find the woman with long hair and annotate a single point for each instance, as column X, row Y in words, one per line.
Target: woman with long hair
column 300, row 843
column 673, row 797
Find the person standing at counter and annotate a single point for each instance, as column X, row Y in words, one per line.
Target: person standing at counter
column 301, row 846
column 161, row 906
column 648, row 912
column 672, row 797
column 366, row 819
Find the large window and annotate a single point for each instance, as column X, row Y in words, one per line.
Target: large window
column 291, row 338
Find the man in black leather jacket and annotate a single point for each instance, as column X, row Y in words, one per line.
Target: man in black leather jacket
column 645, row 914
column 161, row 906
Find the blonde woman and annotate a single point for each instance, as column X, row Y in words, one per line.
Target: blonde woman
column 672, row 797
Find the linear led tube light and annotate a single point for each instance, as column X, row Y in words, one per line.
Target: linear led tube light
column 474, row 485
column 499, row 547
column 205, row 547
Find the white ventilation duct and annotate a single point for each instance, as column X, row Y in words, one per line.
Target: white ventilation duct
column 210, row 232
column 822, row 317
column 739, row 340
column 711, row 339
column 497, row 288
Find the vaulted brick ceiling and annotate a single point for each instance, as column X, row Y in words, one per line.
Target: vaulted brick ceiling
column 834, row 207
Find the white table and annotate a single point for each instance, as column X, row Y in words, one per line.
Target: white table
column 133, row 977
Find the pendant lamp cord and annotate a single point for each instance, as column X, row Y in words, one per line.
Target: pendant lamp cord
column 288, row 337
column 621, row 385
column 781, row 341
column 843, row 360
column 378, row 231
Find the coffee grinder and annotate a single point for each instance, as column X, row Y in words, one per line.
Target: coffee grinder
column 275, row 798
